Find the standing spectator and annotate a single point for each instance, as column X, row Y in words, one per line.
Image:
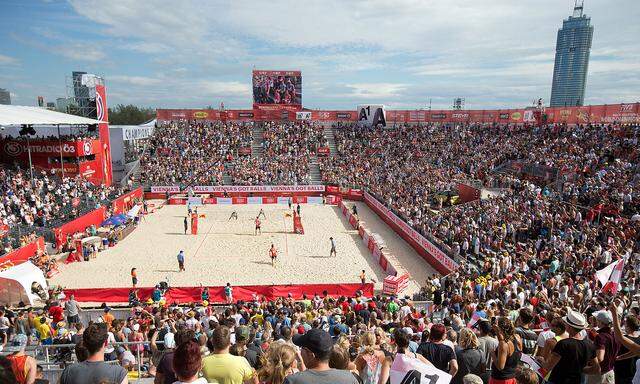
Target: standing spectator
column 94, row 370
column 507, row 357
column 23, row 365
column 529, row 338
column 625, row 365
column 221, row 366
column 187, row 363
column 468, row 356
column 316, row 346
column 441, row 355
column 486, row 342
column 165, row 373
column 607, row 348
column 280, row 362
column 73, row 310
column 574, row 356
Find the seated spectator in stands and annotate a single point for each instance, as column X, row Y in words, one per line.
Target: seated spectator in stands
column 94, row 370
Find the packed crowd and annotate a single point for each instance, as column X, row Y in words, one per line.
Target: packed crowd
column 193, row 153
column 476, row 332
column 287, row 148
column 46, row 202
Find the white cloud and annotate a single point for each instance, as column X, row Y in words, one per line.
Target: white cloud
column 491, row 51
column 380, row 91
column 135, row 80
column 8, row 60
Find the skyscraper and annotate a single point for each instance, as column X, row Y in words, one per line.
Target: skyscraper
column 5, row 97
column 572, row 59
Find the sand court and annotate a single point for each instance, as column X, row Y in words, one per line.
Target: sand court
column 227, row 250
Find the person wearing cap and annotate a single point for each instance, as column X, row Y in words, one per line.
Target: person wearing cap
column 607, row 348
column 24, row 367
column 574, row 356
column 316, row 346
column 240, row 348
column 221, row 366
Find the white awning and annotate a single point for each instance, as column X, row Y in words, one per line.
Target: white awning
column 20, row 114
column 15, row 283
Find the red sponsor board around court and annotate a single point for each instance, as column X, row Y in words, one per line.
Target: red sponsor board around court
column 23, row 254
column 216, row 294
column 623, row 113
column 430, row 252
column 125, row 202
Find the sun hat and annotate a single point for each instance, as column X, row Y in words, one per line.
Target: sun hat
column 575, row 319
column 603, row 316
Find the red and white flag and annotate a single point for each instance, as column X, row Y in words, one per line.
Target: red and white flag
column 610, row 276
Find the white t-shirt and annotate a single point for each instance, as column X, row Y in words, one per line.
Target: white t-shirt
column 110, row 341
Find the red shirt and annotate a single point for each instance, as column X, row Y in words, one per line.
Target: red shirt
column 56, row 313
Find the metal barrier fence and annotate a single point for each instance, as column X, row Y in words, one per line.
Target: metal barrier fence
column 47, row 356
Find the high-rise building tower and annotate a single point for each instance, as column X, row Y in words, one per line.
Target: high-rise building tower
column 5, row 97
column 572, row 59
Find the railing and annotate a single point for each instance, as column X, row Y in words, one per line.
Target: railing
column 48, row 357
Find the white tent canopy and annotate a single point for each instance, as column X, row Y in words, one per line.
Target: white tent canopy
column 15, row 283
column 20, row 114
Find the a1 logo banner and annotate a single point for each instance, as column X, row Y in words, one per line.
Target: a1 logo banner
column 408, row 370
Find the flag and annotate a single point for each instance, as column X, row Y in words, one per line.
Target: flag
column 604, row 274
column 474, row 320
column 613, row 284
column 407, row 369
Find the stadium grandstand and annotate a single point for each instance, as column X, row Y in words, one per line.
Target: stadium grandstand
column 283, row 245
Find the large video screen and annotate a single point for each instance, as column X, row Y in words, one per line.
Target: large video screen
column 277, row 87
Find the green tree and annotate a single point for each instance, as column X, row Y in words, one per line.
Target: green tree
column 130, row 115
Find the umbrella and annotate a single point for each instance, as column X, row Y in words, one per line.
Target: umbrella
column 115, row 220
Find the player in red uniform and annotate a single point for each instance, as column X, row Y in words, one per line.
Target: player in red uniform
column 273, row 253
column 258, row 229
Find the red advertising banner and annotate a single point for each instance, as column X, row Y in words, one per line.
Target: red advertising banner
column 622, row 113
column 125, row 202
column 24, row 253
column 258, row 188
column 216, row 294
column 324, row 151
column 102, row 114
column 95, row 217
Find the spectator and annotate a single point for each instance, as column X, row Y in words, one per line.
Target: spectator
column 187, row 363
column 223, row 367
column 94, row 370
column 316, row 346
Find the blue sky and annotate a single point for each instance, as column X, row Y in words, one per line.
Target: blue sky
column 494, row 53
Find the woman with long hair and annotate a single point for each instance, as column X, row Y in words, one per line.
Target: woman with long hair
column 279, row 362
column 507, row 356
column 470, row 358
column 369, row 361
column 401, row 341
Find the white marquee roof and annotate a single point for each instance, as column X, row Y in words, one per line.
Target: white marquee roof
column 20, row 114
